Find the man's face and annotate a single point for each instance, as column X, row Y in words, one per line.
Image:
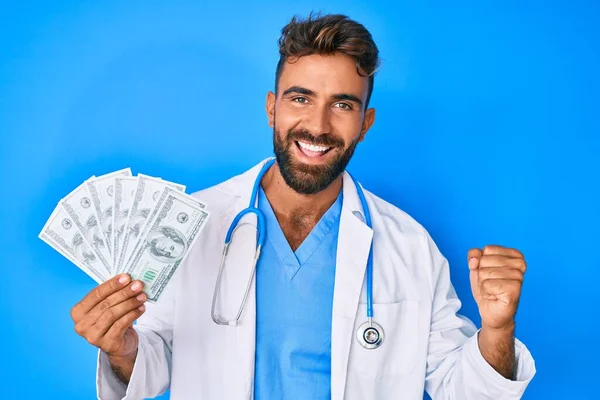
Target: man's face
column 318, row 118
column 167, row 247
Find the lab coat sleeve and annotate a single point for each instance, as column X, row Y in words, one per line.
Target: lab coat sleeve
column 455, row 367
column 152, row 368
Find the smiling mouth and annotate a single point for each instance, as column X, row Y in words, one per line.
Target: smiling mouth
column 312, row 150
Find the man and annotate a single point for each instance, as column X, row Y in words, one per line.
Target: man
column 297, row 335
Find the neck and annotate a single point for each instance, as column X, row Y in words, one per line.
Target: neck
column 288, row 203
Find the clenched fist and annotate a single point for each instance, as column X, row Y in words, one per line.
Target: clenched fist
column 496, row 280
column 105, row 316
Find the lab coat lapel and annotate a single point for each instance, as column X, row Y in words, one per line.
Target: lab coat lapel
column 236, row 274
column 354, row 241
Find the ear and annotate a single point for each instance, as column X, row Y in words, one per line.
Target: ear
column 368, row 121
column 270, row 108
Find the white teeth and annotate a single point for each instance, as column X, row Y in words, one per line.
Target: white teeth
column 312, row 147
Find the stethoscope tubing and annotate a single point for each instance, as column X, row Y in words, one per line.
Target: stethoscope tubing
column 260, row 237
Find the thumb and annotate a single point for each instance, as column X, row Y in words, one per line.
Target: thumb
column 473, row 257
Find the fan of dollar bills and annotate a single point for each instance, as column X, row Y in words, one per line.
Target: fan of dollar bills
column 119, row 223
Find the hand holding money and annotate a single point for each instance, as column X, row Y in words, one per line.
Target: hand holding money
column 105, row 319
column 117, row 223
column 104, row 315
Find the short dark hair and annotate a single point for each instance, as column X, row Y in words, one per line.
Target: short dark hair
column 327, row 34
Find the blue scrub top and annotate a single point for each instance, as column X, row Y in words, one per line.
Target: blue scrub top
column 294, row 301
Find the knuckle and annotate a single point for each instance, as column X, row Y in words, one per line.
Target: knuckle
column 487, row 249
column 495, row 273
column 104, row 305
column 126, row 293
column 93, row 338
column 75, row 312
column 120, row 324
column 496, row 259
column 522, row 264
column 486, row 261
column 79, row 329
column 109, row 314
column 518, row 275
column 97, row 294
column 131, row 303
column 106, row 316
column 487, row 273
column 112, row 284
column 483, row 261
column 505, row 273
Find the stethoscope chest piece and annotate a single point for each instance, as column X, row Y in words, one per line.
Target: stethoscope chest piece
column 370, row 335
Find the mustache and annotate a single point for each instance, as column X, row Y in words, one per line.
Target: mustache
column 326, row 140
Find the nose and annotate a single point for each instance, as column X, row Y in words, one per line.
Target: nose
column 318, row 120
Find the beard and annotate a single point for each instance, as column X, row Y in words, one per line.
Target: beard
column 310, row 179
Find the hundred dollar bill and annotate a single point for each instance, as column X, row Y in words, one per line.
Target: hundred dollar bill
column 164, row 195
column 78, row 204
column 124, row 190
column 146, row 197
column 102, row 191
column 171, row 231
column 56, row 246
column 61, row 233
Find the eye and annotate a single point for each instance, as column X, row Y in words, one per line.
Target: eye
column 301, row 100
column 343, row 106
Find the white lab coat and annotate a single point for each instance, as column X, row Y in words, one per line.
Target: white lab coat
column 427, row 345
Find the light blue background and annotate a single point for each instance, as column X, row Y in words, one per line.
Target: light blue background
column 487, row 132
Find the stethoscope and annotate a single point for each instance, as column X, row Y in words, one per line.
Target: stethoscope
column 369, row 334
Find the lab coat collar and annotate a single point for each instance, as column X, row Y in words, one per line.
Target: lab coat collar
column 354, row 241
column 241, row 187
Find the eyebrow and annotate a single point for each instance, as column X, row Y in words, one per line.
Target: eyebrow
column 308, row 92
column 348, row 97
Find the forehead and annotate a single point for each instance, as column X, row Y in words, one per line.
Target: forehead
column 324, row 74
